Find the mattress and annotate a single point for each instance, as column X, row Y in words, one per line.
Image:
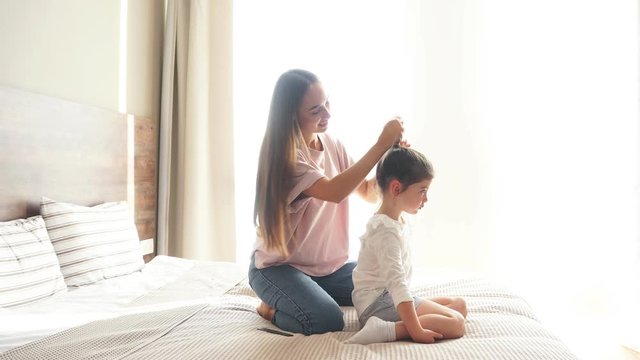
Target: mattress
column 182, row 309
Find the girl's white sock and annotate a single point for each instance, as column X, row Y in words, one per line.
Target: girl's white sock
column 375, row 330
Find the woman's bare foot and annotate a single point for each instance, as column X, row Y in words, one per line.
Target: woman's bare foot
column 265, row 311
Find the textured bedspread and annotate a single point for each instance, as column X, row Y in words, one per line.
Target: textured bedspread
column 499, row 326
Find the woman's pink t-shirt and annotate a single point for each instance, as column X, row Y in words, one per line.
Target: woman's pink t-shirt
column 319, row 242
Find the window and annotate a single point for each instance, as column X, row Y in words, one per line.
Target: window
column 360, row 52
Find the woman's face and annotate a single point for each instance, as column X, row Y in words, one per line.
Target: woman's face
column 313, row 113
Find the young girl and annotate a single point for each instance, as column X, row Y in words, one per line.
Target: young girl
column 381, row 279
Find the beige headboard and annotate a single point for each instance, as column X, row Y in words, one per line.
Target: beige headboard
column 74, row 153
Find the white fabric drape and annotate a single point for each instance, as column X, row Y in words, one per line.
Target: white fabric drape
column 528, row 111
column 195, row 197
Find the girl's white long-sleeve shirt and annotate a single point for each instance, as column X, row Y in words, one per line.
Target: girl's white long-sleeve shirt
column 384, row 262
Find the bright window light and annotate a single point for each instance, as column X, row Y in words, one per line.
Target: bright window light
column 362, row 62
column 528, row 110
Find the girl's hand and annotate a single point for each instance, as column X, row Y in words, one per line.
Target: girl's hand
column 412, row 324
column 392, row 133
column 427, row 336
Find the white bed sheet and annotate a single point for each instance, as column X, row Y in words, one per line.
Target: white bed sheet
column 181, row 309
column 164, row 283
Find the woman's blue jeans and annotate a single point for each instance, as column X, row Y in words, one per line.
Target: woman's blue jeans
column 304, row 304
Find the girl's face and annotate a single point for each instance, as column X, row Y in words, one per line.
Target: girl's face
column 313, row 113
column 414, row 197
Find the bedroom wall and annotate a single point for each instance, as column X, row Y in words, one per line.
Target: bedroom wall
column 70, row 49
column 102, row 53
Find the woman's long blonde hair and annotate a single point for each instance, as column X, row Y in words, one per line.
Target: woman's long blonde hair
column 277, row 159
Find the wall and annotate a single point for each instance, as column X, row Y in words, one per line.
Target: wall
column 70, row 49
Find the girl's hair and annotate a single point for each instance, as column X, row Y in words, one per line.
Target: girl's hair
column 407, row 165
column 276, row 163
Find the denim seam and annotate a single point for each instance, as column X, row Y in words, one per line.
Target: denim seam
column 306, row 318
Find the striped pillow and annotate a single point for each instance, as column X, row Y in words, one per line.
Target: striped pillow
column 29, row 269
column 92, row 243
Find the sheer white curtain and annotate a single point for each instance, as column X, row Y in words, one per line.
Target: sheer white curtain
column 528, row 110
column 530, row 114
column 531, row 119
column 196, row 188
column 358, row 50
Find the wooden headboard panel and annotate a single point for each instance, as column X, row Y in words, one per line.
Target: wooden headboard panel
column 74, row 153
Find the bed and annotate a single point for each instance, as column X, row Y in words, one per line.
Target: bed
column 184, row 309
column 167, row 307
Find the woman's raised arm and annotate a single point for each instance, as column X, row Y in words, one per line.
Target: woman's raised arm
column 340, row 186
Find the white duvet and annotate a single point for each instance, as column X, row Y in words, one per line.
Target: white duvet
column 165, row 282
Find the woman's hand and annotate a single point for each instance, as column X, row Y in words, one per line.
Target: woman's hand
column 404, row 144
column 391, row 133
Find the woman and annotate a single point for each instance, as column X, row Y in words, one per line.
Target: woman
column 299, row 268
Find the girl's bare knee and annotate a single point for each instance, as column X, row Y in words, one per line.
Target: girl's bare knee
column 460, row 313
column 454, row 327
column 458, row 329
column 459, row 305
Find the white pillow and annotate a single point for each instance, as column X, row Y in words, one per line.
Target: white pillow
column 29, row 269
column 92, row 243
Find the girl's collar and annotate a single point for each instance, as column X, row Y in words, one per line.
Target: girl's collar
column 386, row 217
